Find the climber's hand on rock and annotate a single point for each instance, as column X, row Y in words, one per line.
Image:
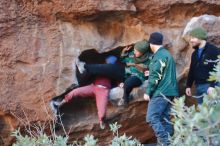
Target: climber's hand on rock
column 127, row 48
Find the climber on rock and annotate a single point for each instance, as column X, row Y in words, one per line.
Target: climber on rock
column 99, row 89
column 136, row 67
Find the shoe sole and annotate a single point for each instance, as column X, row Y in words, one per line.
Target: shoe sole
column 53, row 108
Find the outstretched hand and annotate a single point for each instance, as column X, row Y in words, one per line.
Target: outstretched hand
column 146, row 97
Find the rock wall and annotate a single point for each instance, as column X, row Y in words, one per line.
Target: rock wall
column 40, row 39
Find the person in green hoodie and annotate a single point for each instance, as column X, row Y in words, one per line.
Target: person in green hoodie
column 162, row 83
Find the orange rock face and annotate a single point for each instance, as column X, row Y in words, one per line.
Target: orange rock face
column 39, row 41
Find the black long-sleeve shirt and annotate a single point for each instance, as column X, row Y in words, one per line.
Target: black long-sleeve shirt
column 200, row 67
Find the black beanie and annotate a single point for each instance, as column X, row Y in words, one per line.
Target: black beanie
column 156, row 38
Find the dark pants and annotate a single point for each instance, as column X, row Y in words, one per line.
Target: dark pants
column 130, row 83
column 112, row 71
column 158, row 116
column 115, row 72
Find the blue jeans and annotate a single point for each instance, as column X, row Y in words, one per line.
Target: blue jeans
column 201, row 89
column 158, row 116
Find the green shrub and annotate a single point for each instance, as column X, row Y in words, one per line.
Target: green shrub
column 122, row 140
column 42, row 139
column 198, row 125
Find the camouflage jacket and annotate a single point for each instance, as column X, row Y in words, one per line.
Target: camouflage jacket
column 135, row 69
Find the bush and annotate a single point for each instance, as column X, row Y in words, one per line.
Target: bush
column 41, row 139
column 199, row 125
column 122, row 140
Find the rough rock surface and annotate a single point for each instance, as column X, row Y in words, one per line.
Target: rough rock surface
column 40, row 39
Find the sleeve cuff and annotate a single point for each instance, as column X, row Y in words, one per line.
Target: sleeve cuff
column 188, row 86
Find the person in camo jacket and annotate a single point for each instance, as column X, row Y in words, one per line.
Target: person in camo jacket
column 136, row 63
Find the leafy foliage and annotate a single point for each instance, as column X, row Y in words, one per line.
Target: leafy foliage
column 89, row 140
column 122, row 140
column 198, row 125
